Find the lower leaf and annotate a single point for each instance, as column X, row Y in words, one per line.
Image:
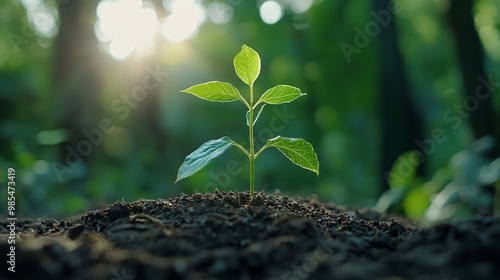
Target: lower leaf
column 298, row 150
column 200, row 158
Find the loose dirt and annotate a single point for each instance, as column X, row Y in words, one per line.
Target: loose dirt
column 232, row 236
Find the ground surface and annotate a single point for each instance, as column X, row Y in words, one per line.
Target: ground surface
column 230, row 236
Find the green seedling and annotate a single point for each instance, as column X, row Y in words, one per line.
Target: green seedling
column 247, row 67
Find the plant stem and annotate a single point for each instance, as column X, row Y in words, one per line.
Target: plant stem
column 242, row 149
column 252, row 148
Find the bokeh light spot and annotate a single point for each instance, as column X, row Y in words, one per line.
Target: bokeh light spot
column 220, row 13
column 271, row 12
column 42, row 16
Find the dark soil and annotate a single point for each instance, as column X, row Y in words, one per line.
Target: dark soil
column 230, row 236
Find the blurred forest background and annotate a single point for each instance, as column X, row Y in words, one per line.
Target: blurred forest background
column 91, row 110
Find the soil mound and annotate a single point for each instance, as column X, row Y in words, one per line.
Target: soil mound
column 228, row 235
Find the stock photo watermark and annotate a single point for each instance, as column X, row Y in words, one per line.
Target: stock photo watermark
column 11, row 218
column 22, row 38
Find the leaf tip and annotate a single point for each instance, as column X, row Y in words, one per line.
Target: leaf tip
column 315, row 170
column 177, row 179
column 187, row 90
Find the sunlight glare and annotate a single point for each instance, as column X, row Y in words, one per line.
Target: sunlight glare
column 184, row 21
column 126, row 24
column 120, row 47
column 271, row 12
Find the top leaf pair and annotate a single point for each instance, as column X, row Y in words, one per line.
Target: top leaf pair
column 247, row 67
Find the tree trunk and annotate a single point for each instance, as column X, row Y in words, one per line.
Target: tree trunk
column 475, row 80
column 471, row 58
column 401, row 125
column 76, row 77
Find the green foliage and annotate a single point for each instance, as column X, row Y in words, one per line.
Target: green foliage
column 215, row 91
column 41, row 91
column 280, row 94
column 402, row 182
column 247, row 67
column 457, row 190
column 404, row 164
column 198, row 159
column 298, row 151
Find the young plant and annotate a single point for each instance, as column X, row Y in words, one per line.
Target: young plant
column 247, row 67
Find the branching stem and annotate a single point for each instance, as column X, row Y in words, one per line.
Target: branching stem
column 241, row 148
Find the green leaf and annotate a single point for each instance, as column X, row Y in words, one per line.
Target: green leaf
column 247, row 65
column 198, row 159
column 280, row 94
column 404, row 170
column 256, row 118
column 298, row 150
column 416, row 202
column 215, row 91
